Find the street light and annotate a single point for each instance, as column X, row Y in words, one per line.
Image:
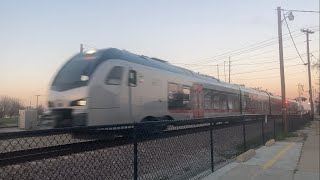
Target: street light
column 290, row 16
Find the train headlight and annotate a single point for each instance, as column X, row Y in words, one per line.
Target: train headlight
column 81, row 102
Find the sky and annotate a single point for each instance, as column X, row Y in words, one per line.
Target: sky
column 37, row 37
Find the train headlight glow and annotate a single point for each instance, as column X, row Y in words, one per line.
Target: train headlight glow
column 91, row 51
column 81, row 102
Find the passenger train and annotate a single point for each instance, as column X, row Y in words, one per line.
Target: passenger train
column 112, row 86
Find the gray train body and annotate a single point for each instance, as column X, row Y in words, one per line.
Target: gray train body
column 112, row 86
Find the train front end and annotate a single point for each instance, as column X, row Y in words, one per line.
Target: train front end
column 68, row 93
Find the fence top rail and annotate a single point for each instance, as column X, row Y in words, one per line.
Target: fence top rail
column 67, row 130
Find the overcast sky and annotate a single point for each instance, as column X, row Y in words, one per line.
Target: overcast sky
column 37, row 37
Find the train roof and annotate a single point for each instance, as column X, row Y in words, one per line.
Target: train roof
column 114, row 53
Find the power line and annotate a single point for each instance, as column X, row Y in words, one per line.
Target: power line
column 285, row 19
column 243, row 50
column 268, row 62
column 314, row 57
column 275, row 66
column 250, row 51
column 205, row 66
column 236, row 53
column 302, row 42
column 267, row 77
column 266, row 69
column 258, row 63
column 301, row 11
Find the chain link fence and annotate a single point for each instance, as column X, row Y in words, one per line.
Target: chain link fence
column 150, row 150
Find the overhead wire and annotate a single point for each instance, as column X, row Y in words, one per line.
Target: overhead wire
column 268, row 52
column 266, row 69
column 243, row 50
column 236, row 53
column 253, row 55
column 301, row 11
column 314, row 57
column 285, row 19
column 268, row 77
column 198, row 68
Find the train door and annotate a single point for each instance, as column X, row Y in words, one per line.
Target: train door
column 197, row 101
column 109, row 94
column 135, row 89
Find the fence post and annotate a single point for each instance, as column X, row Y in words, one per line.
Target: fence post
column 289, row 123
column 244, row 134
column 135, row 154
column 211, row 145
column 262, row 129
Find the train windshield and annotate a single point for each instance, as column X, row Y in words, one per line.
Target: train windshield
column 75, row 73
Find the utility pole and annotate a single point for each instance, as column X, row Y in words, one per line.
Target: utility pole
column 218, row 70
column 224, row 69
column 283, row 84
column 319, row 88
column 37, row 100
column 299, row 92
column 307, row 32
column 229, row 67
column 318, row 82
column 81, row 48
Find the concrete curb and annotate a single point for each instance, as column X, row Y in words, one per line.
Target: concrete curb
column 246, row 156
column 270, row 142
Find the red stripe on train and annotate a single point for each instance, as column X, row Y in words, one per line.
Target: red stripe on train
column 205, row 111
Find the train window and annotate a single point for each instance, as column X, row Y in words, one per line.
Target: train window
column 175, row 99
column 233, row 102
column 236, row 102
column 186, row 97
column 248, row 103
column 207, row 99
column 266, row 106
column 115, row 76
column 216, row 101
column 244, row 102
column 132, row 81
column 230, row 102
column 223, row 101
column 172, row 90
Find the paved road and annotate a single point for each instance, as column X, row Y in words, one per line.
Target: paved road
column 293, row 159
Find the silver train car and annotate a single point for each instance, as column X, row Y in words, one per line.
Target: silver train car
column 112, row 86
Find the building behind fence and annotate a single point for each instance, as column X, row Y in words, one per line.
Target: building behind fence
column 137, row 151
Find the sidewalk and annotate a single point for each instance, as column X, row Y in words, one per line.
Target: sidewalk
column 308, row 167
column 293, row 159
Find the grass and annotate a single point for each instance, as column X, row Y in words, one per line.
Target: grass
column 282, row 136
column 12, row 120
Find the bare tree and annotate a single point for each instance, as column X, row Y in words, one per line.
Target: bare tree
column 40, row 109
column 9, row 106
column 15, row 105
column 4, row 106
column 303, row 99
